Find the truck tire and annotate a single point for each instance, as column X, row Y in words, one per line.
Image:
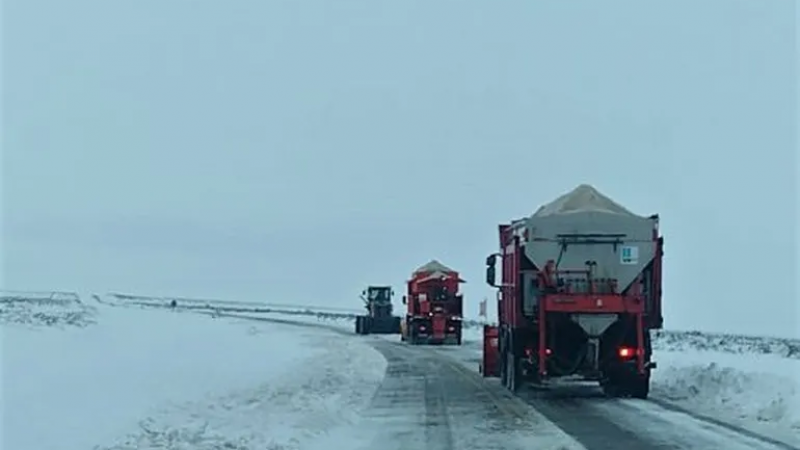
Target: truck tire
column 396, row 327
column 639, row 387
column 366, row 326
column 611, row 387
column 512, row 367
column 413, row 339
column 501, row 360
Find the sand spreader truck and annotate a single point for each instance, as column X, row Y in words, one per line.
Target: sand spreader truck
column 579, row 293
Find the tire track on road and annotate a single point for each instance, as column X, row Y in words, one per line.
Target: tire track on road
column 454, row 410
column 600, row 422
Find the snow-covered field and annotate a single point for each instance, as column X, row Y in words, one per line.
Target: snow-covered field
column 150, row 379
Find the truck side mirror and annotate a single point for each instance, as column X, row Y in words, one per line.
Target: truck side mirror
column 490, row 276
column 491, row 260
column 405, row 300
column 491, row 271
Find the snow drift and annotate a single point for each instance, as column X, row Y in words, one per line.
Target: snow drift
column 149, row 379
column 51, row 309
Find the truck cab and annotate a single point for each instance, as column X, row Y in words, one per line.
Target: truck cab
column 434, row 305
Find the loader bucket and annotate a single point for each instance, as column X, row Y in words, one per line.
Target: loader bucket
column 362, row 325
column 489, row 366
column 385, row 325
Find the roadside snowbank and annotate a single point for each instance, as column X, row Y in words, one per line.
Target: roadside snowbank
column 50, row 309
column 757, row 392
column 729, row 343
column 143, row 378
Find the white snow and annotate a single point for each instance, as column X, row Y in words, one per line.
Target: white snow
column 137, row 376
column 757, row 392
column 152, row 376
column 56, row 309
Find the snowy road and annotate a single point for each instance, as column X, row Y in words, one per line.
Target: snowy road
column 601, row 423
column 457, row 409
column 429, row 403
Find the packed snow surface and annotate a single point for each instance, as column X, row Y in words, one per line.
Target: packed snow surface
column 151, row 379
column 757, row 392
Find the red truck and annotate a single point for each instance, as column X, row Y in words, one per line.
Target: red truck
column 580, row 291
column 435, row 306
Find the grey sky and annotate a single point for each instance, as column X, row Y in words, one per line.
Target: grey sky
column 295, row 151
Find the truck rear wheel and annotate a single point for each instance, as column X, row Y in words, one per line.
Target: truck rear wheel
column 502, row 369
column 512, row 372
column 640, row 387
column 502, row 360
column 366, row 326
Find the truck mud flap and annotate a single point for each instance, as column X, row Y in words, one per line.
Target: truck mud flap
column 489, row 366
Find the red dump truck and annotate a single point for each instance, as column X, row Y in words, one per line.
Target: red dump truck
column 435, row 306
column 580, row 291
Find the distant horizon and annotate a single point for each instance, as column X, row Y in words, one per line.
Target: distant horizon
column 322, row 308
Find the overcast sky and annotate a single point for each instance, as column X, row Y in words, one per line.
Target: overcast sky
column 296, row 151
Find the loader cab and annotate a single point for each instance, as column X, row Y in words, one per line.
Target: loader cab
column 379, row 294
column 378, row 300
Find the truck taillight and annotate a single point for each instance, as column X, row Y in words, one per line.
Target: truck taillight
column 625, row 352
